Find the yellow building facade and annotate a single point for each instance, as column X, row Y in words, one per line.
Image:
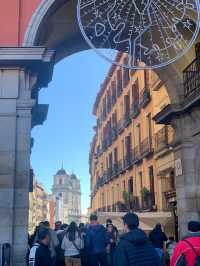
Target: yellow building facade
column 38, row 206
column 131, row 159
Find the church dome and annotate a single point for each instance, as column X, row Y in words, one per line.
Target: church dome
column 61, row 172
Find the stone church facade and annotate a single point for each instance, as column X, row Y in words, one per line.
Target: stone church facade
column 67, row 191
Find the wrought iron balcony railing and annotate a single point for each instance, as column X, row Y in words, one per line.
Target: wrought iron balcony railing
column 135, row 110
column 146, row 147
column 163, row 138
column 191, row 78
column 170, row 194
column 137, row 154
column 127, row 120
column 145, row 97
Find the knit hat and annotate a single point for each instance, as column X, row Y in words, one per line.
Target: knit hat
column 131, row 219
column 194, row 226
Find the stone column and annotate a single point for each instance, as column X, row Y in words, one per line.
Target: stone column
column 186, row 148
column 22, row 72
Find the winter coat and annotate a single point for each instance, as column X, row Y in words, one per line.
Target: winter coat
column 53, row 243
column 69, row 248
column 135, row 249
column 183, row 248
column 157, row 237
column 96, row 239
column 40, row 255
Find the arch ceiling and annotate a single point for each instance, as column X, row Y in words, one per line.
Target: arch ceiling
column 54, row 25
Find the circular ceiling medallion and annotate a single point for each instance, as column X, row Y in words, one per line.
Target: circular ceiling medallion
column 153, row 33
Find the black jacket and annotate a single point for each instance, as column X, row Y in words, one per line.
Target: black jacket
column 41, row 256
column 134, row 249
column 157, row 237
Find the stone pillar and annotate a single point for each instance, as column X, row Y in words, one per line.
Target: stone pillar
column 186, row 148
column 22, row 72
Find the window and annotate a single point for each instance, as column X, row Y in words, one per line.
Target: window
column 135, row 92
column 138, row 134
column 126, row 76
column 128, row 145
column 124, row 185
column 114, row 92
column 172, row 180
column 151, row 182
column 146, row 78
column 130, row 185
column 119, row 82
column 115, row 155
column 60, row 182
column 122, row 145
column 141, row 180
column 127, row 105
column 110, row 161
column 114, row 120
column 149, row 128
column 118, row 193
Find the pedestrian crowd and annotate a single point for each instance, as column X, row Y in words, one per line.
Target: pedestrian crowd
column 94, row 244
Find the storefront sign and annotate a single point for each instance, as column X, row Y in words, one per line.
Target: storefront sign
column 178, row 167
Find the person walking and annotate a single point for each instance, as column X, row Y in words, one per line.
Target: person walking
column 115, row 230
column 54, row 243
column 72, row 245
column 96, row 242
column 83, row 253
column 58, row 225
column 60, row 258
column 187, row 251
column 158, row 239
column 40, row 254
column 134, row 248
column 111, row 235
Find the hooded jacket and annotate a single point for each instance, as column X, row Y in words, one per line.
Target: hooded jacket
column 134, row 249
column 96, row 239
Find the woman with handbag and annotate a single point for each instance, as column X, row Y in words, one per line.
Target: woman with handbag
column 72, row 244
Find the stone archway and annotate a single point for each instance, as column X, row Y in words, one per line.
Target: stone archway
column 54, row 26
column 69, row 40
column 23, row 71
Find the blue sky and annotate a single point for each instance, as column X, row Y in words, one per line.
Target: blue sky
column 68, row 131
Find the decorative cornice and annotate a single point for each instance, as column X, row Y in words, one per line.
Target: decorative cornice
column 172, row 111
column 39, row 60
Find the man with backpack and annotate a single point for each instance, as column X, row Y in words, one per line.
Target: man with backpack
column 96, row 242
column 187, row 251
column 134, row 248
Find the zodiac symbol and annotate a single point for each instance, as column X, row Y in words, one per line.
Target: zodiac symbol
column 147, row 31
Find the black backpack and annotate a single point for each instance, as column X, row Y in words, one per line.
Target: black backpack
column 182, row 260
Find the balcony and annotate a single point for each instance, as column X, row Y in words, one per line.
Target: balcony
column 128, row 161
column 137, row 157
column 114, row 134
column 135, row 110
column 120, row 126
column 191, row 79
column 146, row 147
column 115, row 170
column 170, row 195
column 145, row 97
column 120, row 167
column 127, row 120
column 163, row 138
